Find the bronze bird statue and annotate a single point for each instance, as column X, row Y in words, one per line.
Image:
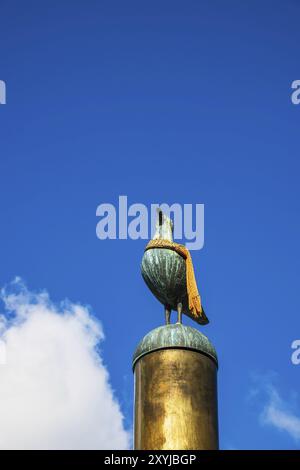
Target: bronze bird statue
column 168, row 271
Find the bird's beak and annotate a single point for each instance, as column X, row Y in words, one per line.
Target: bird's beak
column 160, row 217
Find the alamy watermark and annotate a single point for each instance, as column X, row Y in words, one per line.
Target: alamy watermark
column 2, row 92
column 2, row 353
column 137, row 221
column 295, row 357
column 295, row 96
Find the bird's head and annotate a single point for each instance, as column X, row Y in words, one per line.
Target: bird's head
column 164, row 227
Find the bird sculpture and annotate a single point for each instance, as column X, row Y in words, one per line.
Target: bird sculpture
column 168, row 271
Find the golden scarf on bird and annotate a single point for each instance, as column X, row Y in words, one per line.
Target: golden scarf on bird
column 191, row 284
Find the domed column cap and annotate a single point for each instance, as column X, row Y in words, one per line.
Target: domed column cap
column 175, row 336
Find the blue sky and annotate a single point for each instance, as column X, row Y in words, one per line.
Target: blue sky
column 162, row 102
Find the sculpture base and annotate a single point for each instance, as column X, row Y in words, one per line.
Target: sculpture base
column 175, row 369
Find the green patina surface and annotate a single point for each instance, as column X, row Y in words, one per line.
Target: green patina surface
column 175, row 336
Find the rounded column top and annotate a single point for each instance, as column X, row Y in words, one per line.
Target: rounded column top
column 175, row 336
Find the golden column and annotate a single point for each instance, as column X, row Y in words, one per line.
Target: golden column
column 175, row 366
column 175, row 369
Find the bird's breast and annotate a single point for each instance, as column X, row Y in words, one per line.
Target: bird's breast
column 164, row 272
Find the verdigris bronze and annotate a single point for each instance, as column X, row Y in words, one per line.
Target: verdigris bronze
column 175, row 336
column 164, row 271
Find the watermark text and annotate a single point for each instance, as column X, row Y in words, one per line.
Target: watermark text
column 295, row 357
column 295, row 96
column 137, row 221
column 2, row 353
column 2, row 92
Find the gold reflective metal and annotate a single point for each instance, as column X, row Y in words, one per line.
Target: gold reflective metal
column 176, row 401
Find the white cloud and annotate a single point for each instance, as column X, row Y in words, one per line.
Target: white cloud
column 280, row 414
column 54, row 388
